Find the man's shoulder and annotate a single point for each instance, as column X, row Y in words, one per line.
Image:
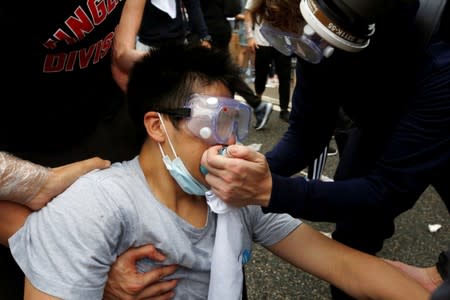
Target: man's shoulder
column 118, row 171
column 110, row 192
column 104, row 186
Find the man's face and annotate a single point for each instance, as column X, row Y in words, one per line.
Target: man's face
column 190, row 147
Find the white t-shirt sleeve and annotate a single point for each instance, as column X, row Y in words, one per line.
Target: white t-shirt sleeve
column 66, row 248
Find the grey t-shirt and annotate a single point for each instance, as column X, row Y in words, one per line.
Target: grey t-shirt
column 66, row 248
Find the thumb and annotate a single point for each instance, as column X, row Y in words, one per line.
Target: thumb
column 243, row 152
column 74, row 170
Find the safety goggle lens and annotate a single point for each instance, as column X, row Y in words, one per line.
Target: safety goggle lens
column 215, row 119
column 225, row 123
column 243, row 125
column 308, row 47
column 276, row 40
column 307, row 50
column 232, row 121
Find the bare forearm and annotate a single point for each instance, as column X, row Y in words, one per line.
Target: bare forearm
column 124, row 47
column 128, row 58
column 378, row 280
column 361, row 275
column 248, row 24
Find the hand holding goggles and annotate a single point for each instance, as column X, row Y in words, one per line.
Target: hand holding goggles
column 215, row 119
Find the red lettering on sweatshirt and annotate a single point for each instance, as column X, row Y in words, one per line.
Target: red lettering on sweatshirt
column 78, row 59
column 98, row 10
column 82, row 22
column 81, row 25
column 62, row 36
column 70, row 62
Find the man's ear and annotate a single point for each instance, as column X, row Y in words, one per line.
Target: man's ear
column 154, row 126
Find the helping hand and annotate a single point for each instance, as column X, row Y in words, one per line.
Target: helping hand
column 126, row 283
column 428, row 277
column 243, row 178
column 62, row 177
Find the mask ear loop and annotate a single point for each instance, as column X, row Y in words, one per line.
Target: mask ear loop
column 168, row 138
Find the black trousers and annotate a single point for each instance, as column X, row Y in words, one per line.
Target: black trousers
column 264, row 57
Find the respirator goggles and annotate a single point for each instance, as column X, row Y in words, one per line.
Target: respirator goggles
column 308, row 45
column 329, row 24
column 215, row 119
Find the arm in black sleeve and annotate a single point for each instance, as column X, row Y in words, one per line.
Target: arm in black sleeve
column 442, row 292
column 443, row 267
column 312, row 122
column 414, row 154
column 443, row 264
column 323, row 201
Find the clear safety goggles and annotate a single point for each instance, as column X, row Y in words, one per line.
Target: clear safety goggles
column 215, row 119
column 308, row 45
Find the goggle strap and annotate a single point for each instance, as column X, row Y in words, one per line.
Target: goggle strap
column 183, row 112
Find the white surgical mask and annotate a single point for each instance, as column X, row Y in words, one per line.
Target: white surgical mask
column 178, row 170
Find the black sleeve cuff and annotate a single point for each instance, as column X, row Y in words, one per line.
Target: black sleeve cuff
column 207, row 38
column 442, row 264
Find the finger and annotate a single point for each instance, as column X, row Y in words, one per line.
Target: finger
column 146, row 251
column 222, row 169
column 224, row 166
column 165, row 296
column 158, row 274
column 215, row 180
column 71, row 172
column 218, row 192
column 209, row 156
column 243, row 152
column 62, row 177
column 76, row 169
column 90, row 164
column 160, row 290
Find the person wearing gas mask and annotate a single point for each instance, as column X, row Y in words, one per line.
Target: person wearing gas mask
column 392, row 78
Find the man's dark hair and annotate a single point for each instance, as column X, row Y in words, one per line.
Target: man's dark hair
column 166, row 78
